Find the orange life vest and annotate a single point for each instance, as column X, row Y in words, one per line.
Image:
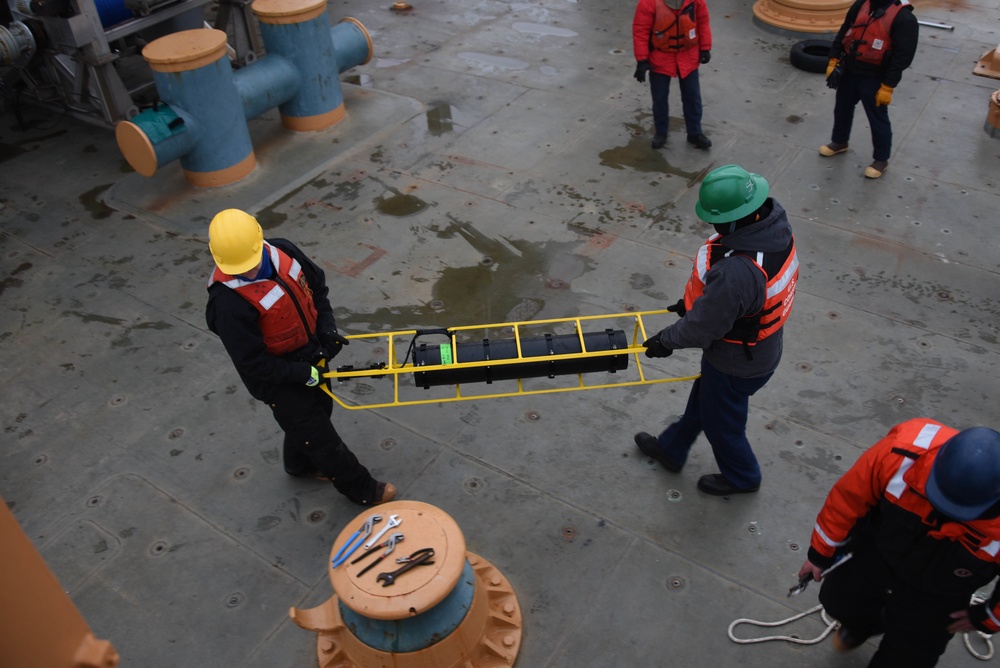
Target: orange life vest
column 887, row 488
column 868, row 40
column 781, row 272
column 674, row 30
column 284, row 301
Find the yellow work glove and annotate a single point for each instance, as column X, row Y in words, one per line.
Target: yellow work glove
column 830, row 65
column 884, row 96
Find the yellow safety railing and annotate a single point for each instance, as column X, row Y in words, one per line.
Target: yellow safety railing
column 393, row 368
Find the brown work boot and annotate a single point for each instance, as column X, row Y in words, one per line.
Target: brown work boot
column 832, row 148
column 384, row 492
column 844, row 640
column 876, row 169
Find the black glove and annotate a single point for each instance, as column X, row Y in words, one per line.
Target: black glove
column 654, row 348
column 641, row 68
column 333, row 343
column 705, row 57
column 678, row 308
column 833, row 80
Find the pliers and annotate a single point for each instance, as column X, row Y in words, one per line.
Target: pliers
column 352, row 544
column 389, row 546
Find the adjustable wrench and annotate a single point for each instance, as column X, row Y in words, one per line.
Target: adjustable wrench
column 419, row 558
column 806, row 579
column 394, row 521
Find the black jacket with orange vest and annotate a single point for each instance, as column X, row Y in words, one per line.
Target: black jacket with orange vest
column 279, row 346
column 881, row 503
column 883, row 36
column 735, row 288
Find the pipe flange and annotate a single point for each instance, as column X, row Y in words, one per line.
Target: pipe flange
column 17, row 45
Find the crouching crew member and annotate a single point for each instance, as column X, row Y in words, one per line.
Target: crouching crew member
column 920, row 513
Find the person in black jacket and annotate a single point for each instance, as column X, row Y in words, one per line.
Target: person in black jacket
column 268, row 304
column 876, row 42
column 735, row 305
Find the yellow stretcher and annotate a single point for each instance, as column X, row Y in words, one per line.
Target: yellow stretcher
column 459, row 357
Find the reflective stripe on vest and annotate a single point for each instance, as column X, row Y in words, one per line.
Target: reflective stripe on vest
column 932, row 437
column 923, row 440
column 674, row 31
column 281, row 321
column 778, row 297
column 868, row 40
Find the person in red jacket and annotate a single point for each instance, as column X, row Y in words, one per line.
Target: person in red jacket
column 670, row 39
column 919, row 512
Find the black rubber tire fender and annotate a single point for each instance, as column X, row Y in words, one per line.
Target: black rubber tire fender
column 811, row 55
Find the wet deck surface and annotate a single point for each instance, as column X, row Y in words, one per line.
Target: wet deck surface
column 494, row 166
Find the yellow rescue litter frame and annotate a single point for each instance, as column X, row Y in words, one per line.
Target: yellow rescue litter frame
column 392, row 366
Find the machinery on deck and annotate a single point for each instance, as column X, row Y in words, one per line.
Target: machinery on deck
column 84, row 56
column 463, row 357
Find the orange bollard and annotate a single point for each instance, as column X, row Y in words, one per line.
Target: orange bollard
column 457, row 611
column 802, row 16
column 41, row 627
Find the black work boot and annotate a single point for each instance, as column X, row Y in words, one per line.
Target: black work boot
column 700, row 141
column 659, row 141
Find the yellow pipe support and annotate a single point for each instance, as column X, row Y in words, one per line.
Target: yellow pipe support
column 393, row 368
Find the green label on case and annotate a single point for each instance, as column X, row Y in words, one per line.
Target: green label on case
column 445, row 354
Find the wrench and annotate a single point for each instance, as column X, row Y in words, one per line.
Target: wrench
column 806, row 579
column 394, row 521
column 421, row 557
column 390, row 545
column 346, row 549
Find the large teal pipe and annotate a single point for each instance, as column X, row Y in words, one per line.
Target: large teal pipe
column 209, row 95
column 352, row 44
column 203, row 121
column 266, row 84
column 302, row 35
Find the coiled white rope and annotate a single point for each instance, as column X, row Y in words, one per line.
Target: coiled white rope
column 831, row 625
column 986, row 638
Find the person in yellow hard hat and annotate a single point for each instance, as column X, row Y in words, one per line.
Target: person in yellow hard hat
column 268, row 304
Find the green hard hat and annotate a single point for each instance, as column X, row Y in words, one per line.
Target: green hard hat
column 729, row 193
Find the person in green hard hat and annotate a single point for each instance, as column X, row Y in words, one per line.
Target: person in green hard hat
column 735, row 305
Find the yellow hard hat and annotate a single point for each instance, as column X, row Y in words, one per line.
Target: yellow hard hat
column 235, row 239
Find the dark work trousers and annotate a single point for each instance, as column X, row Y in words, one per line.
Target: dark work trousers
column 859, row 88
column 718, row 405
column 312, row 445
column 659, row 86
column 867, row 598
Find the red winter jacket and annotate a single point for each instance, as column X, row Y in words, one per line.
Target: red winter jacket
column 672, row 63
column 884, row 496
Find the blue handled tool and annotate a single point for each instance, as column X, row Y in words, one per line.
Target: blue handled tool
column 353, row 543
